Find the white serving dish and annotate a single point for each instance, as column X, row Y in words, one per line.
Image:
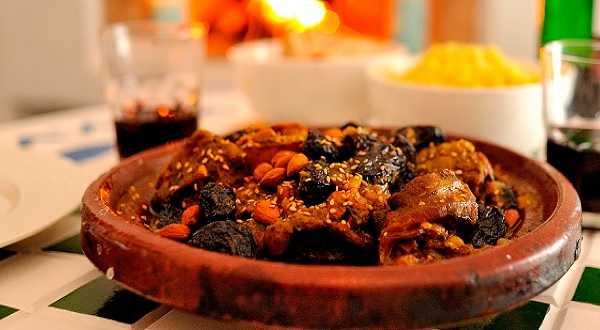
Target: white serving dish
column 324, row 91
column 508, row 116
column 36, row 190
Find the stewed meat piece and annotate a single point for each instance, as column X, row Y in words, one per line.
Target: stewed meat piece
column 435, row 197
column 205, row 157
column 261, row 143
column 468, row 164
column 311, row 236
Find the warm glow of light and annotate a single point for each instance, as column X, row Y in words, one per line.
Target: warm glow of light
column 197, row 31
column 330, row 23
column 310, row 13
column 298, row 15
column 281, row 10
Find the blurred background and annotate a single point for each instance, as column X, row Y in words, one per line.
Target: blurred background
column 49, row 56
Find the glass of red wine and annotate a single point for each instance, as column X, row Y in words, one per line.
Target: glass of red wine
column 153, row 74
column 571, row 70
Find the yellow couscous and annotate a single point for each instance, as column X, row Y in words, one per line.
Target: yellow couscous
column 465, row 65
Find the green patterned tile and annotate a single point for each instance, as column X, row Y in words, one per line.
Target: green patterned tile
column 6, row 311
column 70, row 245
column 5, row 254
column 528, row 316
column 104, row 298
column 588, row 289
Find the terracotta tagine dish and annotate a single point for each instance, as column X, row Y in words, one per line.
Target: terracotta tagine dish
column 333, row 228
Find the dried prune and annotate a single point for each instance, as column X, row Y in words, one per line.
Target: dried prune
column 490, row 226
column 382, row 164
column 408, row 149
column 225, row 237
column 318, row 145
column 349, row 124
column 217, row 202
column 356, row 142
column 421, row 136
column 166, row 214
column 315, row 184
column 405, row 175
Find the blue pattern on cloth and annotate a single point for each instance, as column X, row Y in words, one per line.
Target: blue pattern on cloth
column 87, row 152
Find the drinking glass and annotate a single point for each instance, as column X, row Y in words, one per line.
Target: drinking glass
column 571, row 73
column 153, row 73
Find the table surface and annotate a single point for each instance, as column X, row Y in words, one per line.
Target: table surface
column 46, row 282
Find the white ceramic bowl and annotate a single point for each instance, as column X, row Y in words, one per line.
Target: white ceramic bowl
column 508, row 116
column 324, row 91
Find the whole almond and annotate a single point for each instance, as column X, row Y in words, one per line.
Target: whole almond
column 190, row 216
column 272, row 178
column 282, row 158
column 261, row 170
column 296, row 164
column 202, row 172
column 175, row 231
column 266, row 212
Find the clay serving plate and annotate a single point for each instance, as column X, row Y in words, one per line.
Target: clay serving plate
column 227, row 287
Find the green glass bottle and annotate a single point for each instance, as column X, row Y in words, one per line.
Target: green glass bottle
column 567, row 19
